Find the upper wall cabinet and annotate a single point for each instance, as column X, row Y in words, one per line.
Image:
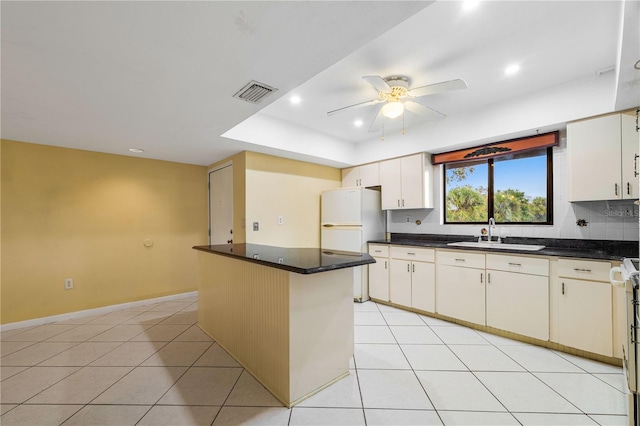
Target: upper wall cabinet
column 366, row 175
column 603, row 158
column 406, row 183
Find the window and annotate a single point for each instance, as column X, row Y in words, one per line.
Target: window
column 514, row 187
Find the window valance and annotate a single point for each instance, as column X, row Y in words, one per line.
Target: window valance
column 492, row 150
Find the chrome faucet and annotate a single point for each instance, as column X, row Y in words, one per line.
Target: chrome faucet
column 492, row 224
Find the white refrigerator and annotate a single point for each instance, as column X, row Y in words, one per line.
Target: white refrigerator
column 349, row 218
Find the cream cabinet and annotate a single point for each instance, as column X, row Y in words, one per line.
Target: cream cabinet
column 583, row 316
column 517, row 294
column 366, row 175
column 608, row 145
column 406, row 183
column 461, row 285
column 412, row 277
column 379, row 272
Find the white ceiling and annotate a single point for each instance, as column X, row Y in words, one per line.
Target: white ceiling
column 107, row 76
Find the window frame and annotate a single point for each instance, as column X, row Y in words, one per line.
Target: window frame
column 490, row 191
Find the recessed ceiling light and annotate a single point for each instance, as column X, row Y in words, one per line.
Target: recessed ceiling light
column 470, row 4
column 136, row 150
column 512, row 69
column 295, row 99
column 357, row 123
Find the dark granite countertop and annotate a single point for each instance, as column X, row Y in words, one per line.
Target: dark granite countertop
column 298, row 260
column 588, row 249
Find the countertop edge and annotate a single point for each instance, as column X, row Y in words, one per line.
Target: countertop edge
column 365, row 260
column 547, row 251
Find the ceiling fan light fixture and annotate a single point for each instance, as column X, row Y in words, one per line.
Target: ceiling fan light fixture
column 393, row 109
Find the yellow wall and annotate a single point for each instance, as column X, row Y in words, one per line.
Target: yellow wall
column 77, row 214
column 278, row 186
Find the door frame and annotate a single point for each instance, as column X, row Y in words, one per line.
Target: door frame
column 213, row 170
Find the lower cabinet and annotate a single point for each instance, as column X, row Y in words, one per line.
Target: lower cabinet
column 379, row 272
column 461, row 286
column 565, row 301
column 412, row 278
column 584, row 317
column 518, row 295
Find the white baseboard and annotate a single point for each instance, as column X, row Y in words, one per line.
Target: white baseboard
column 96, row 311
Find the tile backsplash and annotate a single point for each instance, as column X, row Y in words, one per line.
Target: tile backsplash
column 613, row 220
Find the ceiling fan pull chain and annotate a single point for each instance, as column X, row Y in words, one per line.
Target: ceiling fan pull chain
column 403, row 122
column 382, row 129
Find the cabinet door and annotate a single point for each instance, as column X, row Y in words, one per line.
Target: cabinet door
column 350, row 177
column 400, row 282
column 391, row 193
column 629, row 157
column 423, row 286
column 379, row 279
column 460, row 293
column 390, row 180
column 591, row 142
column 585, row 316
column 369, row 174
column 518, row 303
column 412, row 180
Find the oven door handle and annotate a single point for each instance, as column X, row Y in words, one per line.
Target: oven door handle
column 612, row 272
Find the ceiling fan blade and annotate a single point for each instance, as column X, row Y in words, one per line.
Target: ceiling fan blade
column 354, row 106
column 437, row 88
column 376, row 124
column 377, row 82
column 422, row 110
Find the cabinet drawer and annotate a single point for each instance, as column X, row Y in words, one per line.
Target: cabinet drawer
column 584, row 269
column 461, row 258
column 378, row 250
column 525, row 265
column 413, row 253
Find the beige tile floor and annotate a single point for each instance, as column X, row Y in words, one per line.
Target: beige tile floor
column 153, row 366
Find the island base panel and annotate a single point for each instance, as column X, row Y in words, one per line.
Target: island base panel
column 292, row 332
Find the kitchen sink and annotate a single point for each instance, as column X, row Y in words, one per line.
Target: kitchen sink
column 497, row 245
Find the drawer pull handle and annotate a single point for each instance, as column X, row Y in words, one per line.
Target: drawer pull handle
column 582, row 270
column 412, row 254
column 515, row 264
column 378, row 251
column 460, row 260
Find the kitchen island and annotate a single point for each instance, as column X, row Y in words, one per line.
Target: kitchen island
column 285, row 314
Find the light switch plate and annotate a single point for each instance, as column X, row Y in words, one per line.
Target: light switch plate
column 256, row 226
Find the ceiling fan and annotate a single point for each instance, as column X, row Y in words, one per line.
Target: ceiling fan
column 396, row 96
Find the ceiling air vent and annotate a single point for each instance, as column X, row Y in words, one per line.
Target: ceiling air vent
column 254, row 92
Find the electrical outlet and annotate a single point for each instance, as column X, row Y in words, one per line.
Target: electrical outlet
column 280, row 220
column 256, row 226
column 68, row 283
